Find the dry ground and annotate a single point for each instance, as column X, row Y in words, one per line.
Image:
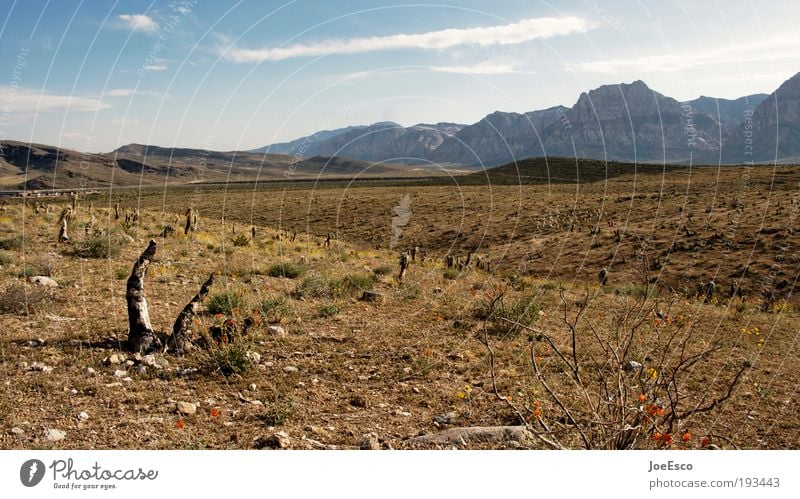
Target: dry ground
column 394, row 366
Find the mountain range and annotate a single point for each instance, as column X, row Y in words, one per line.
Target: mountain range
column 628, row 122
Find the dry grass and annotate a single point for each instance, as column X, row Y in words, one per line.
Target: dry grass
column 391, row 366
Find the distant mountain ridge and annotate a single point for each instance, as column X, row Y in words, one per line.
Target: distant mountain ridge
column 626, row 122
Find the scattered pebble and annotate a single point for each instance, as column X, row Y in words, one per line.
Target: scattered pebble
column 114, row 359
column 252, row 387
column 17, row 431
column 370, row 442
column 185, row 408
column 41, row 367
column 119, row 373
column 45, row 281
column 54, row 435
column 35, row 343
column 291, row 369
column 278, row 440
column 445, row 419
column 89, row 371
column 407, row 370
column 277, row 331
column 254, row 357
column 83, row 416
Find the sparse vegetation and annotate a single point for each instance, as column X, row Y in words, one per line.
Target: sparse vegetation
column 223, row 303
column 97, row 247
column 286, row 269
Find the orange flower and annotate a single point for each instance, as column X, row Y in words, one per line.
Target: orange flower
column 704, row 442
column 642, row 397
column 214, row 413
column 218, row 316
column 180, row 424
column 509, row 398
column 660, row 411
column 686, row 436
column 667, row 439
column 537, row 413
column 536, row 404
column 657, row 436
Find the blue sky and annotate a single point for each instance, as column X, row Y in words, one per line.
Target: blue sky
column 94, row 75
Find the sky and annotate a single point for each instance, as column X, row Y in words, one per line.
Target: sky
column 237, row 75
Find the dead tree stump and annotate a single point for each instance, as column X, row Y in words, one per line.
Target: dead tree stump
column 62, row 234
column 404, row 262
column 180, row 341
column 141, row 337
column 603, row 276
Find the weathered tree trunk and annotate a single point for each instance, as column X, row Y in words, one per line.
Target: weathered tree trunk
column 62, row 234
column 116, row 211
column 403, row 266
column 90, row 226
column 140, row 333
column 180, row 341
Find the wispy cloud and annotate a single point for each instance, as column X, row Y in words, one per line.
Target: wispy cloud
column 507, row 34
column 138, row 22
column 483, row 68
column 26, row 100
column 778, row 47
column 128, row 92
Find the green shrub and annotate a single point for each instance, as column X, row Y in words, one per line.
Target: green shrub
column 241, row 240
column 6, row 258
column 229, row 360
column 97, row 247
column 316, row 287
column 286, row 269
column 451, row 274
column 223, row 303
column 278, row 412
column 356, row 283
column 274, row 309
column 383, row 270
column 122, row 273
column 509, row 317
column 328, row 310
column 11, row 244
column 28, row 271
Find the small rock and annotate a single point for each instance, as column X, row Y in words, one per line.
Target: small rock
column 631, row 365
column 150, row 361
column 17, row 431
column 254, row 357
column 120, row 373
column 115, row 358
column 415, row 389
column 83, row 416
column 252, row 387
column 300, row 384
column 73, row 391
column 141, row 369
column 437, row 290
column 445, row 419
column 278, row 440
column 34, row 343
column 41, row 280
column 130, row 363
column 54, row 435
column 314, row 381
column 291, row 369
column 89, row 371
column 185, row 408
column 407, row 370
column 370, row 442
column 277, row 331
column 113, row 385
column 41, row 367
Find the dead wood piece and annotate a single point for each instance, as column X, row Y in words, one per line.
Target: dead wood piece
column 181, row 341
column 477, row 435
column 141, row 337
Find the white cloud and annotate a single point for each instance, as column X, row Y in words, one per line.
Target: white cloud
column 507, row 34
column 138, row 22
column 159, row 66
column 128, row 92
column 483, row 68
column 778, row 47
column 24, row 100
